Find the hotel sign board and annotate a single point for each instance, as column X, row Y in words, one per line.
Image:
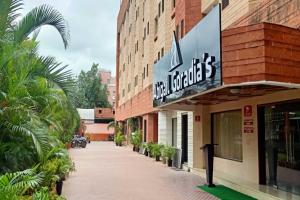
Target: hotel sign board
column 193, row 65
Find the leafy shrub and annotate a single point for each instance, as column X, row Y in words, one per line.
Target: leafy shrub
column 169, row 152
column 136, row 138
column 156, row 150
column 119, row 139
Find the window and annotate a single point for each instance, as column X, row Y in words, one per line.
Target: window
column 137, row 13
column 225, row 3
column 147, row 70
column 159, row 7
column 123, row 67
column 144, row 73
column 156, row 25
column 144, row 33
column 182, row 28
column 114, row 112
column 174, row 3
column 143, row 10
column 158, row 56
column 162, row 6
column 129, row 87
column 136, row 80
column 177, row 31
column 137, row 46
column 227, row 133
column 162, row 52
column 100, row 111
column 123, row 93
column 148, row 28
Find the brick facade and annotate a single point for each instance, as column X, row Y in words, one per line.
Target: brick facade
column 261, row 52
column 284, row 12
column 137, row 101
column 152, row 127
column 189, row 11
column 139, row 105
column 104, row 113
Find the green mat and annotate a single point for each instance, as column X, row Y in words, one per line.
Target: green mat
column 225, row 193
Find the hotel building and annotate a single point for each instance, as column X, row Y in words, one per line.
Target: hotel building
column 251, row 109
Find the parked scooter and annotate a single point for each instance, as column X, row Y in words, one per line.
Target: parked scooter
column 78, row 141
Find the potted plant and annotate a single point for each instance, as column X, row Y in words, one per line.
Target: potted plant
column 163, row 155
column 150, row 144
column 169, row 152
column 56, row 166
column 156, row 151
column 119, row 139
column 146, row 149
column 136, row 140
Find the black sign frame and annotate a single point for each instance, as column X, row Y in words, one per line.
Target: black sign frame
column 194, row 64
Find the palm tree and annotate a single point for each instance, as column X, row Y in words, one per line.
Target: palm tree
column 117, row 127
column 32, row 88
column 29, row 90
column 16, row 31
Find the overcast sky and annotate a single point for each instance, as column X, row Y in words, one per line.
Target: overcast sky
column 92, row 28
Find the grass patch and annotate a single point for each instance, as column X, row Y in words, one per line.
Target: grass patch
column 225, row 193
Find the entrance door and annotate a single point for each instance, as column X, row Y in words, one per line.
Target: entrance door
column 184, row 139
column 279, row 142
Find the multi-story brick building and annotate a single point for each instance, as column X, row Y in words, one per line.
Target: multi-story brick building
column 110, row 82
column 253, row 114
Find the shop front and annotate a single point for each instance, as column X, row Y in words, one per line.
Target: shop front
column 248, row 103
column 279, row 129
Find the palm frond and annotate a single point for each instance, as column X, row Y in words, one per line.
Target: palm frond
column 38, row 17
column 39, row 136
column 8, row 12
column 20, row 182
column 53, row 71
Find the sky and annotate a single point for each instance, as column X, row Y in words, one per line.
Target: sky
column 92, row 26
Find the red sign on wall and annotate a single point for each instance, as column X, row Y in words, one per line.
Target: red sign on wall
column 248, row 111
column 248, row 130
column 197, row 118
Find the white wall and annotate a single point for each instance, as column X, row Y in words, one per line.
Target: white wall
column 165, row 127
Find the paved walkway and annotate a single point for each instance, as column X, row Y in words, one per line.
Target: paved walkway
column 106, row 172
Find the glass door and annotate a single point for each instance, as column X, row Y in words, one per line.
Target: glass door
column 282, row 146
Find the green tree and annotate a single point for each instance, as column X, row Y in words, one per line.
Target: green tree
column 90, row 92
column 16, row 31
column 35, row 111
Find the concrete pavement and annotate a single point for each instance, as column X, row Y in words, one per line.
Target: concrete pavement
column 106, row 172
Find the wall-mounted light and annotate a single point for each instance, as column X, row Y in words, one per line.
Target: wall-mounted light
column 192, row 101
column 235, row 90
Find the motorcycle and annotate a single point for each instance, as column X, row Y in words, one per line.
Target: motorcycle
column 78, row 141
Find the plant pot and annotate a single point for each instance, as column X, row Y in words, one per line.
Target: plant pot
column 59, row 185
column 164, row 161
column 133, row 148
column 68, row 145
column 170, row 163
column 146, row 153
column 157, row 158
column 137, row 149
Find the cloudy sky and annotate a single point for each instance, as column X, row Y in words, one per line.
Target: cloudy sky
column 92, row 29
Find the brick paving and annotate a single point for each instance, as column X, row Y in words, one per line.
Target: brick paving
column 106, row 172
